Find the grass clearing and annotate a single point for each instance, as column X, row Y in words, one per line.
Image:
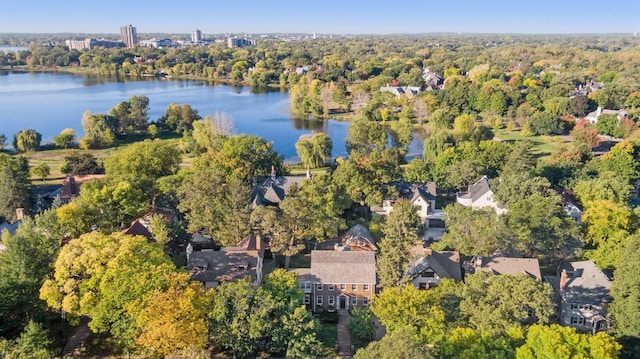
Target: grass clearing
column 543, row 146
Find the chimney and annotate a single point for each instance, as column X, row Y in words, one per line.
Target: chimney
column 273, row 172
column 258, row 242
column 478, row 261
column 428, row 251
column 598, row 111
column 308, row 172
column 19, row 214
column 563, row 279
column 189, row 251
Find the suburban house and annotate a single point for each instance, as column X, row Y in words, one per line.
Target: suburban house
column 70, row 188
column 142, row 225
column 593, row 116
column 274, row 189
column 11, row 227
column 570, row 206
column 582, row 290
column 338, row 280
column 408, row 91
column 478, row 196
column 420, row 195
column 499, row 265
column 427, row 270
column 432, row 80
column 357, row 238
column 249, row 259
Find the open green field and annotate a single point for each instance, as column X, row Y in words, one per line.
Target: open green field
column 543, row 146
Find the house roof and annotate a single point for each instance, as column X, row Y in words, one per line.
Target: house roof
column 508, row 265
column 10, row 227
column 137, row 228
column 343, row 266
column 445, row 263
column 229, row 263
column 586, row 284
column 71, row 185
column 250, row 243
column 273, row 190
column 412, row 190
column 356, row 233
column 479, row 188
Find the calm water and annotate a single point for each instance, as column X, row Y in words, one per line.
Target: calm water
column 51, row 102
column 12, row 48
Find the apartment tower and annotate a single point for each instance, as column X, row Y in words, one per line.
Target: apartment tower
column 128, row 35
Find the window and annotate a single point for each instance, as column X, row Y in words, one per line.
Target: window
column 354, row 301
column 307, row 299
column 331, row 300
column 319, row 300
column 354, row 287
column 577, row 320
column 365, row 301
column 423, row 286
column 319, row 286
column 574, row 306
column 585, row 306
column 332, row 287
column 366, row 287
column 343, row 286
column 530, row 312
column 428, row 274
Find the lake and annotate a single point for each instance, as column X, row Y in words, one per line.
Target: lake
column 51, row 102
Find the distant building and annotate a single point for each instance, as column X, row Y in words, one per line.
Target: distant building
column 236, row 42
column 128, row 35
column 479, row 195
column 196, row 36
column 157, row 43
column 88, row 44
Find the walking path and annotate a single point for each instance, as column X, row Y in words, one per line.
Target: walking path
column 344, row 337
column 75, row 345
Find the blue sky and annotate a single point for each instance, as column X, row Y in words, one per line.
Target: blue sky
column 323, row 16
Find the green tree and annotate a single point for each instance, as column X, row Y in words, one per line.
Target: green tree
column 625, row 308
column 399, row 344
column 255, row 154
column 153, row 130
column 299, row 335
column 400, row 235
column 607, row 125
column 559, row 342
column 473, row 231
column 543, row 123
column 34, row 342
column 41, row 171
column 437, row 143
column 65, row 139
column 362, row 327
column 26, row 140
column 79, row 164
column 606, row 227
column 99, row 130
column 513, row 187
column 239, row 318
column 314, row 150
column 538, row 225
column 216, row 203
column 406, row 307
column 131, row 115
column 495, row 303
column 579, row 106
column 418, row 170
column 146, row 160
column 102, row 276
column 364, row 136
column 24, row 265
column 179, row 118
column 467, row 343
column 14, row 186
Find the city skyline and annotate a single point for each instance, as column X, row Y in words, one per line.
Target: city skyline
column 329, row 16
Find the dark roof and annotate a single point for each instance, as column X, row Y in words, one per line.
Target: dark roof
column 586, row 284
column 138, row 229
column 273, row 190
column 412, row 190
column 357, row 232
column 71, row 185
column 344, row 267
column 445, row 263
column 227, row 264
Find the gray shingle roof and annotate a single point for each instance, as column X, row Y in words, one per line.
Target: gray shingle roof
column 227, row 264
column 512, row 266
column 586, row 284
column 356, row 233
column 343, row 267
column 445, row 263
column 479, row 188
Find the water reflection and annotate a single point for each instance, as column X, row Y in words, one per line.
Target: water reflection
column 310, row 124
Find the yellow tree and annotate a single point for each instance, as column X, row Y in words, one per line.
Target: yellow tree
column 173, row 321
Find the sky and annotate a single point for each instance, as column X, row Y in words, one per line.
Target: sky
column 321, row 16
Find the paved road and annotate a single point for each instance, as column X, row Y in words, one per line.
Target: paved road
column 344, row 337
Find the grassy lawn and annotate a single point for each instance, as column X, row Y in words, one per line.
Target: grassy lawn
column 543, row 146
column 328, row 335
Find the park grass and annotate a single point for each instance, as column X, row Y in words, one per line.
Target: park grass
column 543, row 146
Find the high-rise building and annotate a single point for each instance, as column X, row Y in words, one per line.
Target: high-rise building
column 196, row 36
column 128, row 35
